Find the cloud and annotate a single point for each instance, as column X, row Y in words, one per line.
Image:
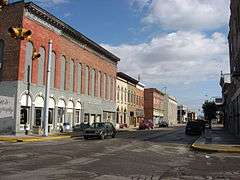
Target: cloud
column 185, row 14
column 175, row 58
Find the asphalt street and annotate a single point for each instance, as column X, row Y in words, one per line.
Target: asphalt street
column 133, row 155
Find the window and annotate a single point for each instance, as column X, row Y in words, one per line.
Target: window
column 79, row 78
column 104, row 86
column 122, row 94
column 86, row 80
column 118, row 92
column 41, row 62
column 129, row 94
column 28, row 62
column 93, row 82
column 109, row 87
column 71, row 83
column 63, row 73
column 125, row 92
column 99, row 84
column 53, row 70
column 1, row 52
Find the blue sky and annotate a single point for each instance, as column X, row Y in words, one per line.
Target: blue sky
column 180, row 44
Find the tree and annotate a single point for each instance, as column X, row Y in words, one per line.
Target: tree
column 209, row 110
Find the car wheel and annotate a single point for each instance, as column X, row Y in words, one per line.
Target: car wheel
column 113, row 135
column 85, row 137
column 102, row 136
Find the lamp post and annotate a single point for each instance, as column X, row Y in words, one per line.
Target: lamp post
column 47, row 88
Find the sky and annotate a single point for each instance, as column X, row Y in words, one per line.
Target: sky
column 178, row 44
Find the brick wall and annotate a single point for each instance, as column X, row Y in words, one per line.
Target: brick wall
column 10, row 17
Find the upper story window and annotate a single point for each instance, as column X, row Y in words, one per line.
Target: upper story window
column 41, row 62
column 53, row 70
column 104, row 85
column 79, row 78
column 122, row 94
column 99, row 84
column 1, row 52
column 28, row 62
column 71, row 83
column 93, row 82
column 63, row 73
column 125, row 92
column 86, row 80
column 118, row 92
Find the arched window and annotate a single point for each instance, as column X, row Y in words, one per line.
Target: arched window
column 79, row 80
column 1, row 52
column 109, row 87
column 71, row 83
column 125, row 95
column 28, row 62
column 99, row 84
column 129, row 96
column 86, row 80
column 41, row 61
column 122, row 94
column 63, row 73
column 118, row 92
column 53, row 70
column 93, row 82
column 104, row 85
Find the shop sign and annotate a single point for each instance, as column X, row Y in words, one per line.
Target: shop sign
column 6, row 107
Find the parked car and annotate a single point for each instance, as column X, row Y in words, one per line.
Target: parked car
column 80, row 127
column 194, row 128
column 65, row 127
column 100, row 130
column 163, row 124
column 146, row 124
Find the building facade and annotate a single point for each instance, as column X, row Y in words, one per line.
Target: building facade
column 232, row 90
column 182, row 114
column 82, row 89
column 154, row 105
column 129, row 101
column 170, row 110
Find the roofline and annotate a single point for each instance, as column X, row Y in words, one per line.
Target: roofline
column 67, row 29
column 127, row 77
column 155, row 90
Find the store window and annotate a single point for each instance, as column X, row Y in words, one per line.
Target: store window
column 61, row 111
column 26, row 103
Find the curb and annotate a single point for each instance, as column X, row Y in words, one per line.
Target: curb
column 215, row 148
column 34, row 139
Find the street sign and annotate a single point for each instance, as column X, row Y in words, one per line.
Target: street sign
column 6, row 107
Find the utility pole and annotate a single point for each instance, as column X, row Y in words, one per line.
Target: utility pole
column 47, row 88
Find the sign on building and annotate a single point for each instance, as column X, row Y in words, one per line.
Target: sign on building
column 6, row 107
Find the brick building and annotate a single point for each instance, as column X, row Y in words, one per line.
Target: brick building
column 231, row 88
column 154, row 105
column 130, row 100
column 83, row 74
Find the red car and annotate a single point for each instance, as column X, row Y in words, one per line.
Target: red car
column 146, row 124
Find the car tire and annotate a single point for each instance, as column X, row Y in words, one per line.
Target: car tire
column 102, row 136
column 85, row 137
column 113, row 135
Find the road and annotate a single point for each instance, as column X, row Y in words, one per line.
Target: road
column 132, row 155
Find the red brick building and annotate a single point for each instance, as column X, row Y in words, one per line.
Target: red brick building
column 153, row 104
column 82, row 88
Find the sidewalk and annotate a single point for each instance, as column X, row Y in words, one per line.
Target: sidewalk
column 217, row 140
column 34, row 138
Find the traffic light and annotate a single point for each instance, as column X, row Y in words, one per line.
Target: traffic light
column 20, row 33
column 3, row 3
column 35, row 54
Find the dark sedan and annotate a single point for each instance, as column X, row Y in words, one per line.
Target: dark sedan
column 194, row 128
column 100, row 130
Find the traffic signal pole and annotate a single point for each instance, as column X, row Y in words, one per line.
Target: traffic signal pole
column 47, row 89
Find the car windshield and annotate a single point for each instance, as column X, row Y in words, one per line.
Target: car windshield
column 97, row 125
